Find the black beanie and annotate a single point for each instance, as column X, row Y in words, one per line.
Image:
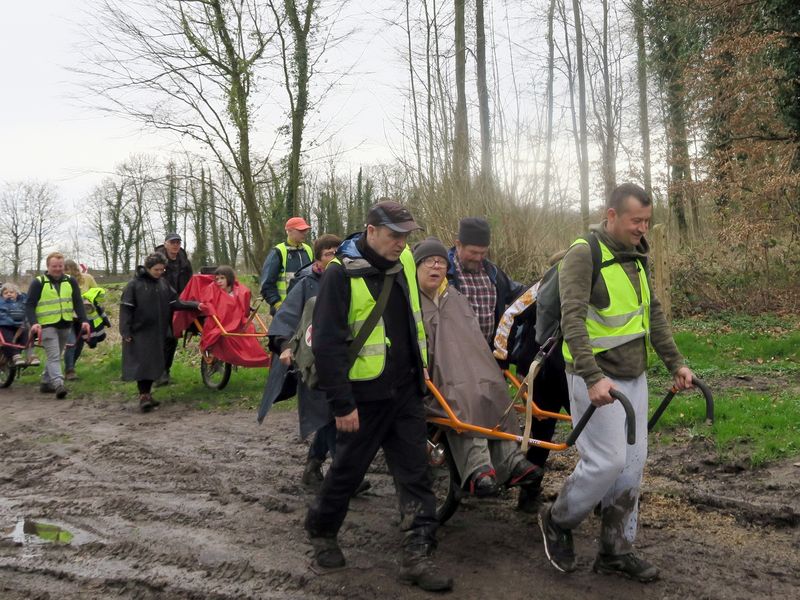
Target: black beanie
column 429, row 247
column 474, row 231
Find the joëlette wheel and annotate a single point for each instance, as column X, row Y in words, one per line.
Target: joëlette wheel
column 216, row 373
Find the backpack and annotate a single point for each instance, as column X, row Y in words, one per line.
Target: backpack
column 548, row 298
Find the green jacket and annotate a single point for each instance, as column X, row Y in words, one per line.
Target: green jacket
column 629, row 360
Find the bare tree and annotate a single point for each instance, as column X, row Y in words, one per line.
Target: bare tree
column 637, row 7
column 583, row 157
column 461, row 141
column 197, row 60
column 483, row 95
column 45, row 217
column 17, row 226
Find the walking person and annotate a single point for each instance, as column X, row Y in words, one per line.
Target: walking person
column 283, row 261
column 486, row 286
column 75, row 342
column 377, row 394
column 607, row 329
column 179, row 272
column 145, row 321
column 54, row 299
column 313, row 410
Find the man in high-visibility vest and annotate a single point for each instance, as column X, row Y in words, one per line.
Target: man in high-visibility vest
column 284, row 260
column 53, row 300
column 376, row 395
column 608, row 329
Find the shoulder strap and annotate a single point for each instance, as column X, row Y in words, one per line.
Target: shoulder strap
column 597, row 255
column 371, row 320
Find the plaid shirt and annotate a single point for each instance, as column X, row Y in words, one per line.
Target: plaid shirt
column 482, row 296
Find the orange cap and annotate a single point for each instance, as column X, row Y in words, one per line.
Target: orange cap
column 298, row 223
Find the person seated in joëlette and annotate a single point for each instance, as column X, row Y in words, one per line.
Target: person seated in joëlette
column 461, row 365
column 13, row 325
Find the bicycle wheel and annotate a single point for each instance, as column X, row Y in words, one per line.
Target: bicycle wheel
column 7, row 372
column 216, row 373
column 444, row 475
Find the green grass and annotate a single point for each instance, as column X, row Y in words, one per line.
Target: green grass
column 734, row 354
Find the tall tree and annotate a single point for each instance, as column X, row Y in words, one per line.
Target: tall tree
column 483, row 95
column 637, row 7
column 548, row 163
column 16, row 223
column 461, row 141
column 195, row 62
column 583, row 158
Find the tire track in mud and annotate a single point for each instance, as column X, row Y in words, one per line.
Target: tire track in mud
column 208, row 505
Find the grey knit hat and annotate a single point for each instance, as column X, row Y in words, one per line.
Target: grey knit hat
column 431, row 246
column 474, row 231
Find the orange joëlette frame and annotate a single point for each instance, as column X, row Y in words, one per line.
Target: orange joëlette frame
column 225, row 333
column 453, row 422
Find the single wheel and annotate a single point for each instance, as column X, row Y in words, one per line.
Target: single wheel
column 216, row 373
column 7, row 372
column 444, row 475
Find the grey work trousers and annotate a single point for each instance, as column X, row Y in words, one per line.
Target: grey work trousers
column 609, row 470
column 472, row 453
column 53, row 341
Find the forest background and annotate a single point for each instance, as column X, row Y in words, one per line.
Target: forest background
column 527, row 113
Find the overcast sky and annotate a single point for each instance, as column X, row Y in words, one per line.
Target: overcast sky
column 49, row 131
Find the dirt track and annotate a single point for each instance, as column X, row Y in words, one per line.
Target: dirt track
column 188, row 504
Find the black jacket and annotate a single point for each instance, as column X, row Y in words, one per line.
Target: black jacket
column 145, row 316
column 507, row 288
column 179, row 271
column 332, row 333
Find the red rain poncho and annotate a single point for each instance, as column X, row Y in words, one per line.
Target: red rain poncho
column 232, row 311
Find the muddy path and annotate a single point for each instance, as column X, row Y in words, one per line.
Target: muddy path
column 188, row 504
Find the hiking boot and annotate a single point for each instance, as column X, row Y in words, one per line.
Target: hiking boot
column 34, row 361
column 70, row 375
column 46, row 388
column 558, row 544
column 628, row 565
column 530, row 498
column 61, row 391
column 483, row 483
column 146, row 403
column 312, row 474
column 18, row 360
column 525, row 473
column 162, row 380
column 417, row 568
column 327, row 553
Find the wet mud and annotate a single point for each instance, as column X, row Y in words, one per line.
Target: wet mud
column 184, row 504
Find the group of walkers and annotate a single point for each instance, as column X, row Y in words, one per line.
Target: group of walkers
column 386, row 316
column 358, row 327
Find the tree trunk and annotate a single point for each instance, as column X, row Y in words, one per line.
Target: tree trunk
column 548, row 161
column 609, row 144
column 415, row 108
column 461, row 141
column 641, row 78
column 583, row 158
column 483, row 96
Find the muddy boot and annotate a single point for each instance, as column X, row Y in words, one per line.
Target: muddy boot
column 530, row 498
column 145, row 402
column 327, row 553
column 418, row 568
column 312, row 474
column 628, row 565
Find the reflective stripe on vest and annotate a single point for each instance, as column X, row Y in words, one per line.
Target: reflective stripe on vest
column 53, row 306
column 371, row 359
column 626, row 318
column 283, row 277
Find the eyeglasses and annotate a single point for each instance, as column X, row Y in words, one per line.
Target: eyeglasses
column 434, row 261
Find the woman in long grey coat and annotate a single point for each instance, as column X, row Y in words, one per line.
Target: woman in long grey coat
column 145, row 322
column 463, row 368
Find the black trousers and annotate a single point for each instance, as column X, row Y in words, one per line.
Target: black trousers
column 550, row 392
column 397, row 425
column 170, row 346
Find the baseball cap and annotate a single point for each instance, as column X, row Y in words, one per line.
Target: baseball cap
column 393, row 215
column 172, row 236
column 298, row 223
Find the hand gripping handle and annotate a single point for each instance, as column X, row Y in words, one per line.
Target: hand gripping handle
column 698, row 383
column 630, row 419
